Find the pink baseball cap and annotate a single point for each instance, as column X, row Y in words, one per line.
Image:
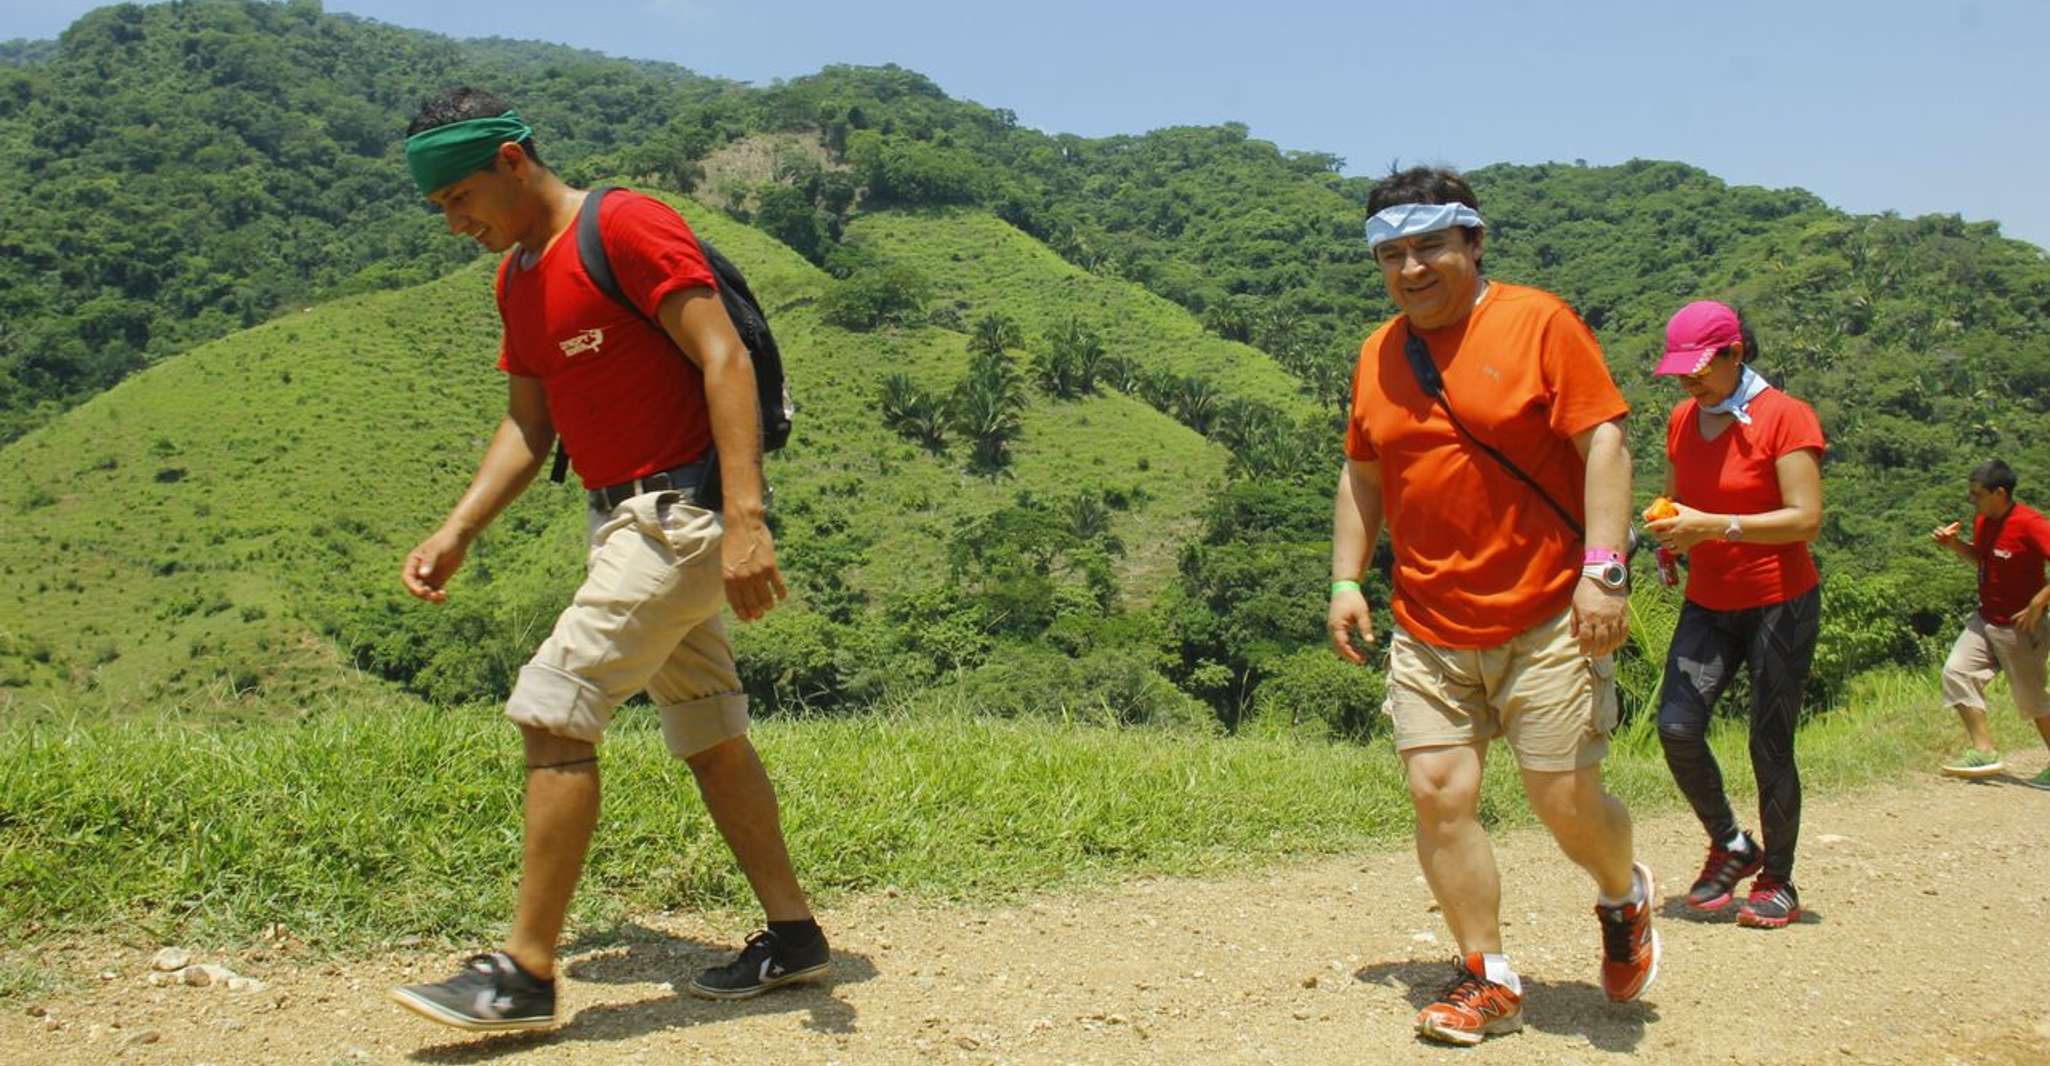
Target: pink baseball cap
column 1695, row 334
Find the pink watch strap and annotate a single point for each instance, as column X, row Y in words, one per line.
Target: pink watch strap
column 1600, row 557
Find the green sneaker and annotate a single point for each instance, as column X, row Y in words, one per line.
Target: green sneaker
column 2041, row 780
column 1975, row 763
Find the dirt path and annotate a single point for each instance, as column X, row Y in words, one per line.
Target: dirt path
column 1931, row 910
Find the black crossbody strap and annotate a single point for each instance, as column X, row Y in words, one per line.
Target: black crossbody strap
column 1433, row 383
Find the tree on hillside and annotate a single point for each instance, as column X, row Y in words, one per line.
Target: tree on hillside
column 1069, row 365
column 1120, row 373
column 891, row 294
column 1196, row 402
column 914, row 412
column 993, row 333
column 985, row 409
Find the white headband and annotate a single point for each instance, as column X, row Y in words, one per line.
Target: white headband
column 1408, row 220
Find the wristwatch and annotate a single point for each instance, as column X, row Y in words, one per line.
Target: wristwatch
column 1735, row 530
column 1606, row 566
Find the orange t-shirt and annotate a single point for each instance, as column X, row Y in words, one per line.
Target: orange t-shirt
column 1736, row 473
column 1479, row 557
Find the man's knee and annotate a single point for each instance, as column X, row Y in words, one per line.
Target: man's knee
column 1443, row 796
column 1564, row 797
column 724, row 757
column 545, row 750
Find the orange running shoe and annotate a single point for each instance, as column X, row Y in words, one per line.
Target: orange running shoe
column 1472, row 1008
column 1630, row 946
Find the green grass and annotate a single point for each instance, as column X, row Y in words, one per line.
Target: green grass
column 25, row 978
column 362, row 823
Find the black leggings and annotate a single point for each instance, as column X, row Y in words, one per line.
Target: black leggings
column 1777, row 643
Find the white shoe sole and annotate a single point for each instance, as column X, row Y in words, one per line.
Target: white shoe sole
column 435, row 1012
column 791, row 978
column 1429, row 1030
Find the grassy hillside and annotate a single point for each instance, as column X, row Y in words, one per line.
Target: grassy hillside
column 234, row 517
column 975, row 260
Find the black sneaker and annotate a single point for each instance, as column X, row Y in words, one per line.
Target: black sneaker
column 1712, row 891
column 768, row 961
column 492, row 994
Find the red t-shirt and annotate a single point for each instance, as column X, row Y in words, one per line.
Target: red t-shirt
column 624, row 399
column 1479, row 557
column 1735, row 474
column 2011, row 555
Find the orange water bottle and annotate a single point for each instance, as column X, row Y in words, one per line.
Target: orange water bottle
column 1669, row 564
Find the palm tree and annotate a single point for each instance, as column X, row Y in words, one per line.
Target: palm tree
column 987, row 414
column 897, row 398
column 1084, row 349
column 914, row 412
column 1120, row 372
column 1058, row 375
column 1195, row 402
column 993, row 333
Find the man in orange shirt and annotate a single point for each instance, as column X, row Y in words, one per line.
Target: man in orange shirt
column 1486, row 430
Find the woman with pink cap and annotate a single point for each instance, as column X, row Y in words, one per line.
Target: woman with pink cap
column 1745, row 475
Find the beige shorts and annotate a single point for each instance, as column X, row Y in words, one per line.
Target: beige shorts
column 1555, row 706
column 646, row 617
column 1984, row 650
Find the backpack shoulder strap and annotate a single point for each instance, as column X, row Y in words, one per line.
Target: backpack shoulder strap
column 591, row 248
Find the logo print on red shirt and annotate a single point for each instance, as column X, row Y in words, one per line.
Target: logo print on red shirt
column 589, row 340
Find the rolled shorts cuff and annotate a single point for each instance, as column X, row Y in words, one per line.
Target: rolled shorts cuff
column 1960, row 696
column 700, row 724
column 559, row 704
column 1591, row 752
column 1419, row 741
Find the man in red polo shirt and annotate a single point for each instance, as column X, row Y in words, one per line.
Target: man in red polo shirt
column 2010, row 541
column 646, row 400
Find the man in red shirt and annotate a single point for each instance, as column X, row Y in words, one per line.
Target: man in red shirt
column 2010, row 541
column 646, row 400
column 1506, row 609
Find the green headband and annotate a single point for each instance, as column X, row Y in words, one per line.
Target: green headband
column 448, row 154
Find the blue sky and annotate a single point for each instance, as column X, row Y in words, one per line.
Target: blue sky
column 1881, row 105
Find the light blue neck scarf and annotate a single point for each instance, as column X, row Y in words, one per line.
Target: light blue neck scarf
column 1738, row 403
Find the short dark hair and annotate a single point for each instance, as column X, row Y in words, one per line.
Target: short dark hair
column 1423, row 185
column 462, row 104
column 1744, row 334
column 1994, row 474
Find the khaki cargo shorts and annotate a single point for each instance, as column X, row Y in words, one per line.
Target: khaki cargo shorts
column 1555, row 706
column 646, row 617
column 1984, row 650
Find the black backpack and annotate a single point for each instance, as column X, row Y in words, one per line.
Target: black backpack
column 772, row 392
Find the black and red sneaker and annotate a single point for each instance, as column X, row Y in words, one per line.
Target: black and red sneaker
column 1773, row 904
column 1715, row 888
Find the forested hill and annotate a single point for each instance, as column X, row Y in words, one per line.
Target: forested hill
column 174, row 173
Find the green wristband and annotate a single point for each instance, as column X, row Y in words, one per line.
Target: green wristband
column 1344, row 586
